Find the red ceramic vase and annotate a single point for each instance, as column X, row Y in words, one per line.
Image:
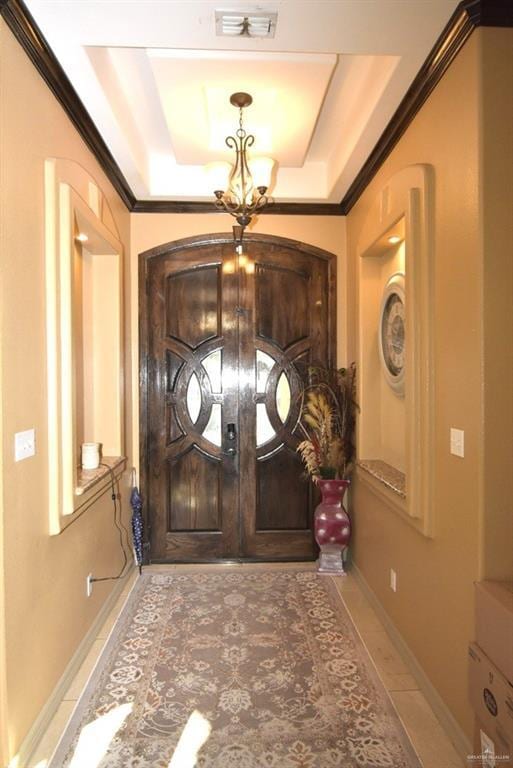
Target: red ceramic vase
column 332, row 526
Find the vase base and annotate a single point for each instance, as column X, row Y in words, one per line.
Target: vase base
column 331, row 563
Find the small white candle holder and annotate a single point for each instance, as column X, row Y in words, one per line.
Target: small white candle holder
column 90, row 455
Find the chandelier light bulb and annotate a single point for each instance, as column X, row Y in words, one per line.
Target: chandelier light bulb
column 261, row 170
column 217, row 176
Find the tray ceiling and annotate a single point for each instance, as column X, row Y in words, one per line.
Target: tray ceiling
column 156, row 80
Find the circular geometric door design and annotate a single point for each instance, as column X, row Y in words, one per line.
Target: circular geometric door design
column 228, row 339
column 198, row 414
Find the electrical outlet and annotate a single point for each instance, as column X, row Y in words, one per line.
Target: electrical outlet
column 89, row 585
column 24, row 444
column 393, row 580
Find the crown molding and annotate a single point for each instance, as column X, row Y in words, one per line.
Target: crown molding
column 468, row 15
column 28, row 34
column 289, row 209
column 489, row 13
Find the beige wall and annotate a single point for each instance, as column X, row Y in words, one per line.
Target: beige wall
column 433, row 606
column 46, row 611
column 151, row 229
column 497, row 287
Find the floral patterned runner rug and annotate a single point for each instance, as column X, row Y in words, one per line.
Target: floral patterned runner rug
column 234, row 669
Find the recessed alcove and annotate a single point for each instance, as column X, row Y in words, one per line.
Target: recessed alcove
column 97, row 340
column 84, row 339
column 383, row 434
column 394, row 425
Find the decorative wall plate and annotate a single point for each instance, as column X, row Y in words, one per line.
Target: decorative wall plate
column 391, row 332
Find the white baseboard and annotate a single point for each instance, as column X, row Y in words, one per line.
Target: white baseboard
column 41, row 723
column 447, row 720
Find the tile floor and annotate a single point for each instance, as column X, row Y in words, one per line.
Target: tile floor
column 429, row 739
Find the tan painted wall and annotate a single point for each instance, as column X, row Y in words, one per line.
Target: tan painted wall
column 151, row 229
column 497, row 241
column 433, row 607
column 46, row 611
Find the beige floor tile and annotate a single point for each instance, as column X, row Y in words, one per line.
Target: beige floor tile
column 428, row 737
column 361, row 612
column 113, row 616
column 107, row 628
column 83, row 674
column 130, row 581
column 392, row 671
column 400, row 681
column 383, row 653
column 46, row 746
column 346, row 583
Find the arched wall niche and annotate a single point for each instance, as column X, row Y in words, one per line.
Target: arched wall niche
column 395, row 431
column 86, row 187
column 83, row 292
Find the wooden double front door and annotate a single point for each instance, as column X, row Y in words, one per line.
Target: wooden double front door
column 225, row 340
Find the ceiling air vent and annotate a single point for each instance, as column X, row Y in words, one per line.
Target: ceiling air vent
column 241, row 24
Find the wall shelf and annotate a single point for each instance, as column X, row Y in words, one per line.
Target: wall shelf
column 390, row 476
column 87, row 478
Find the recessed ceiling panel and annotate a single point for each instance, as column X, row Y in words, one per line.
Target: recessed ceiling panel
column 156, row 79
column 195, row 88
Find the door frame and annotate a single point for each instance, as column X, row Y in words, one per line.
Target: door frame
column 166, row 250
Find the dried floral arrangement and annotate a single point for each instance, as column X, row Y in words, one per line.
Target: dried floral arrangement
column 328, row 414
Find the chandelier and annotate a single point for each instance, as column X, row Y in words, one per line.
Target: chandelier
column 248, row 182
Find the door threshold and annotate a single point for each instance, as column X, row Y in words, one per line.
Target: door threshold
column 234, row 561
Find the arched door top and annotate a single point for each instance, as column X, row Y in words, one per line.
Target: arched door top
column 219, row 238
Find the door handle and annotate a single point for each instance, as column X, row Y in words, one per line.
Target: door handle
column 231, row 436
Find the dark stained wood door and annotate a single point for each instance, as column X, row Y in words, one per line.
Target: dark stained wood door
column 225, row 339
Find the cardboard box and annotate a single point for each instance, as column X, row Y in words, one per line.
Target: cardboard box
column 491, row 696
column 490, row 750
column 494, row 623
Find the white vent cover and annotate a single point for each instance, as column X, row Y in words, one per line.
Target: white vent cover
column 242, row 24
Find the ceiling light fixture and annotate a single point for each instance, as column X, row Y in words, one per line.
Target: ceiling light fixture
column 394, row 239
column 248, row 181
column 82, row 237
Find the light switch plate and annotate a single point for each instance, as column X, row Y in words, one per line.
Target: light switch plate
column 24, row 444
column 458, row 442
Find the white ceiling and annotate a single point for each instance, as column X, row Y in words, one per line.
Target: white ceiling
column 156, row 80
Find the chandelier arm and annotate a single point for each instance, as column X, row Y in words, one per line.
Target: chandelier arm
column 259, row 202
column 247, row 141
column 224, row 204
column 231, row 142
